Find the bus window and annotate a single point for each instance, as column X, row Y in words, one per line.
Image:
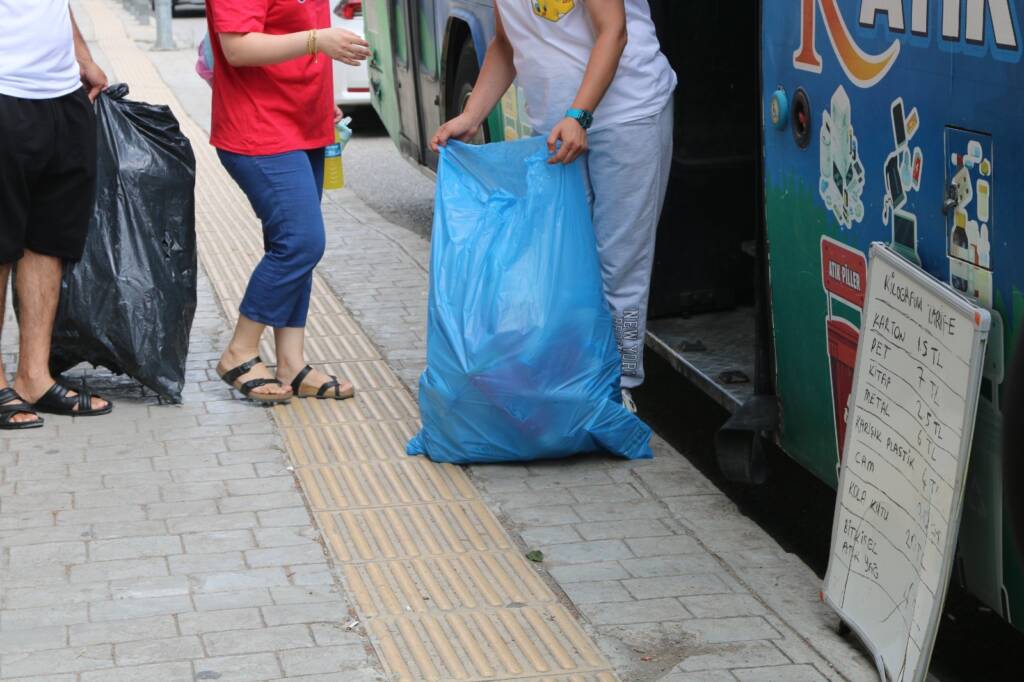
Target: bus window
column 401, row 38
column 428, row 40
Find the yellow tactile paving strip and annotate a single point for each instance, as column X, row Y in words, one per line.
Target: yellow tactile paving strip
column 442, row 589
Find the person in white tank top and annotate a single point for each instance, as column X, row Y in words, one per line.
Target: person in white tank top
column 598, row 86
column 48, row 80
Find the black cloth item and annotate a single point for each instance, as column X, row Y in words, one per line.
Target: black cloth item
column 47, row 175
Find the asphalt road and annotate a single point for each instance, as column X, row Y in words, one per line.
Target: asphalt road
column 383, row 179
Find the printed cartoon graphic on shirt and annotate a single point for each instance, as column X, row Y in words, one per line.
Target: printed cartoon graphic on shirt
column 553, row 10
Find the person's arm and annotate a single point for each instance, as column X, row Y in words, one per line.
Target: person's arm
column 608, row 18
column 263, row 49
column 496, row 76
column 92, row 75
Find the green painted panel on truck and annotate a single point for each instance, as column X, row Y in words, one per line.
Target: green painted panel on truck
column 802, row 365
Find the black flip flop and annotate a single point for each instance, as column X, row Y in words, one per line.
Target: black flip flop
column 10, row 409
column 320, row 392
column 231, row 377
column 57, row 401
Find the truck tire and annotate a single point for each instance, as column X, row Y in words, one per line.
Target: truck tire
column 462, row 87
column 742, row 456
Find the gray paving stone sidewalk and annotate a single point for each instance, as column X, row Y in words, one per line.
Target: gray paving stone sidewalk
column 674, row 581
column 165, row 543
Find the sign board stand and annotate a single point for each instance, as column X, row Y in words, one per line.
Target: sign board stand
column 908, row 437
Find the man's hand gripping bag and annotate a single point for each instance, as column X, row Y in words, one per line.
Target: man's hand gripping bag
column 521, row 355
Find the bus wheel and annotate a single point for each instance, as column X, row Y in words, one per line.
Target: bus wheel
column 462, row 87
column 740, row 442
column 741, row 456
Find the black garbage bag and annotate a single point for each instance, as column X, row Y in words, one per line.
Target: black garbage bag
column 128, row 304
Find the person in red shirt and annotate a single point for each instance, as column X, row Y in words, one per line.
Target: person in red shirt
column 273, row 114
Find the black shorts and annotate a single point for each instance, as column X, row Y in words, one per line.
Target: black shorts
column 47, row 175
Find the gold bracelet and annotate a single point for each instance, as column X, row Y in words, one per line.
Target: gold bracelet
column 315, row 52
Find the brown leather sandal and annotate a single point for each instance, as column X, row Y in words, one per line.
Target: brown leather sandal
column 329, row 390
column 231, row 378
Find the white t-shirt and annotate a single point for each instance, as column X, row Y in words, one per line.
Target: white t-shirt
column 552, row 40
column 37, row 49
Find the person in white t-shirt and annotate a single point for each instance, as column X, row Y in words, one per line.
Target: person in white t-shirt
column 48, row 80
column 598, row 86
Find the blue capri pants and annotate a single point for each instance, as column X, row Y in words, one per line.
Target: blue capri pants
column 285, row 191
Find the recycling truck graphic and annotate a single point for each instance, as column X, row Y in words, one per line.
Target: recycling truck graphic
column 895, row 121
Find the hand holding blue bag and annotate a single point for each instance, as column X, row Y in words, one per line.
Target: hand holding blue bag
column 521, row 356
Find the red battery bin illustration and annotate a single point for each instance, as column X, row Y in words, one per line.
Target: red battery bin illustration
column 844, row 273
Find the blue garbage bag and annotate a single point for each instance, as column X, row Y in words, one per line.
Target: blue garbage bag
column 521, row 355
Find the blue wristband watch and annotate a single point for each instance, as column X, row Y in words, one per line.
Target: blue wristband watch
column 582, row 116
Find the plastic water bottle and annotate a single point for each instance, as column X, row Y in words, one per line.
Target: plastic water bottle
column 334, row 171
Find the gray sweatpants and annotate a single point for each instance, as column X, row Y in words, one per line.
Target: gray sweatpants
column 627, row 171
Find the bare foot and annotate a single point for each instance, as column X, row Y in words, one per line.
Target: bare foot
column 231, row 359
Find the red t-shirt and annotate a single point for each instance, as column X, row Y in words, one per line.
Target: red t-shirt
column 260, row 110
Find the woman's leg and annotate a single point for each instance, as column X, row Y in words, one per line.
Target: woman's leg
column 290, row 343
column 244, row 346
column 313, row 242
column 628, row 168
column 283, row 192
column 290, row 340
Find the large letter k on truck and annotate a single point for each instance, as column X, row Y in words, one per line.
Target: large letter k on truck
column 863, row 69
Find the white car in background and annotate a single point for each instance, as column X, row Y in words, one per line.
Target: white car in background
column 351, row 83
column 196, row 6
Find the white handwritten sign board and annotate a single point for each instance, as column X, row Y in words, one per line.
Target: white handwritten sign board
column 910, row 422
